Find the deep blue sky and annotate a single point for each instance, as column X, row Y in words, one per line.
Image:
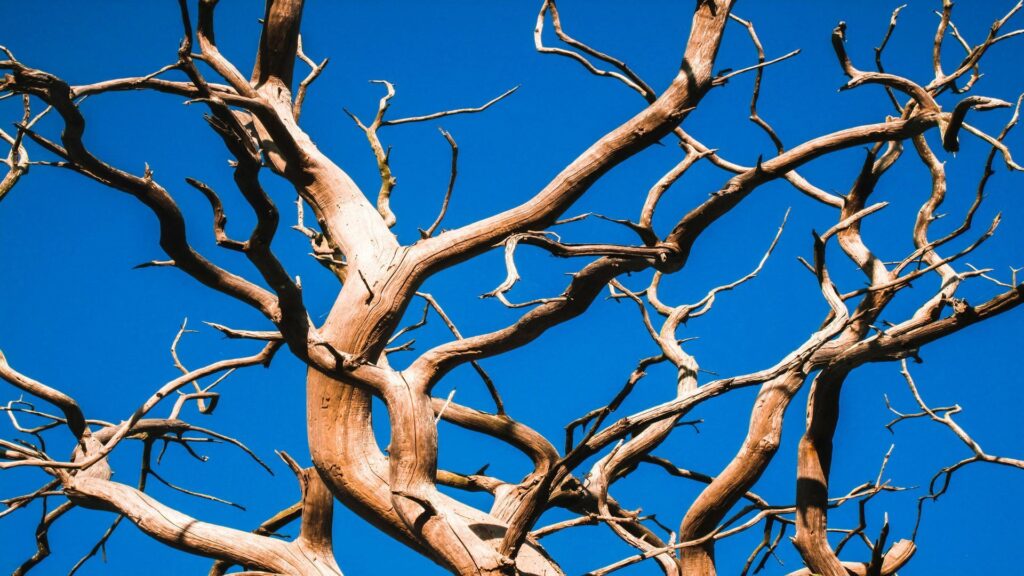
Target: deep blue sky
column 76, row 315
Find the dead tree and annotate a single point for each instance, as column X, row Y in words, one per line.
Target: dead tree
column 257, row 118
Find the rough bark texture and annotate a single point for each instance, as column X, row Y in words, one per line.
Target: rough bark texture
column 256, row 116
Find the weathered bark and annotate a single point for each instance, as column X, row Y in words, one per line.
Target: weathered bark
column 396, row 489
column 742, row 472
column 397, row 493
column 814, row 462
column 188, row 534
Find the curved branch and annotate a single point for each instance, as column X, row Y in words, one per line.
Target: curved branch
column 72, row 411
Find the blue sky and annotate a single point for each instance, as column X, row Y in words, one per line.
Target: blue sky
column 74, row 314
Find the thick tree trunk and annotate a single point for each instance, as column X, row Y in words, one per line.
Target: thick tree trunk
column 396, row 492
column 345, row 451
column 396, row 488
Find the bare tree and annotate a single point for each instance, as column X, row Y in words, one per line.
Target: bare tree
column 257, row 118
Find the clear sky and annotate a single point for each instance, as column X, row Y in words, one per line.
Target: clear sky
column 74, row 314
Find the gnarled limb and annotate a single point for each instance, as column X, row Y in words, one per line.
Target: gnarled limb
column 397, row 489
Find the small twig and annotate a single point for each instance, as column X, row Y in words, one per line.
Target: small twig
column 444, row 407
column 314, row 73
column 437, row 115
column 451, row 185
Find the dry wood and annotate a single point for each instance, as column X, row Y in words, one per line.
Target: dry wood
column 346, row 355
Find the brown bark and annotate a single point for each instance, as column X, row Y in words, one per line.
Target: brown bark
column 743, row 471
column 814, row 461
column 396, row 489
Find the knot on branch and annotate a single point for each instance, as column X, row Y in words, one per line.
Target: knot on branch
column 670, row 258
column 960, row 306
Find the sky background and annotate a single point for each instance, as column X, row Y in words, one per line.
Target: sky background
column 75, row 315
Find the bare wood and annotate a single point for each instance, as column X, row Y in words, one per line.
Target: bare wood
column 347, row 354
